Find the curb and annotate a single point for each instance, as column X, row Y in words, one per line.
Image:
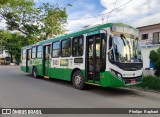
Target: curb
column 147, row 90
column 12, row 64
column 9, row 65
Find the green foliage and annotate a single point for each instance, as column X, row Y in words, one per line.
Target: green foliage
column 20, row 15
column 33, row 23
column 151, row 82
column 25, row 17
column 13, row 42
column 155, row 59
column 53, row 18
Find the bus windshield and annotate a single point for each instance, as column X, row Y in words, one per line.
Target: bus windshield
column 126, row 50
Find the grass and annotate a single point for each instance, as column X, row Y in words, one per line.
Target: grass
column 150, row 82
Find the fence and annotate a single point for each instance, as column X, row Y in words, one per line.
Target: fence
column 150, row 41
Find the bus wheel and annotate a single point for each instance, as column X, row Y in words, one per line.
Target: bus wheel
column 78, row 80
column 34, row 72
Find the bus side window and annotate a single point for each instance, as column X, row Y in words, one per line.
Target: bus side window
column 24, row 54
column 33, row 52
column 77, row 46
column 66, row 48
column 55, row 49
column 39, row 51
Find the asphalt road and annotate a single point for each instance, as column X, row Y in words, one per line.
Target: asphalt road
column 21, row 90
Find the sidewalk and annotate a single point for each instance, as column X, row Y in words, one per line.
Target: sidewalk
column 147, row 90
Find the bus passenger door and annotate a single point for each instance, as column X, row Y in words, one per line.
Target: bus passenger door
column 46, row 60
column 95, row 59
column 27, row 59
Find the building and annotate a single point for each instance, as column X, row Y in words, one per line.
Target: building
column 3, row 53
column 4, row 56
column 150, row 40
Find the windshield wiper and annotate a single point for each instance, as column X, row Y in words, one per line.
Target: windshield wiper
column 122, row 36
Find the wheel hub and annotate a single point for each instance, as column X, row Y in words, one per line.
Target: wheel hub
column 78, row 80
column 34, row 73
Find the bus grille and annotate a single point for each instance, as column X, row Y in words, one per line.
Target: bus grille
column 132, row 80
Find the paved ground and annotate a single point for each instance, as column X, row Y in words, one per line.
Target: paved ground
column 21, row 90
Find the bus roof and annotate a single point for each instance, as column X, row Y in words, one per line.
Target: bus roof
column 77, row 33
column 94, row 28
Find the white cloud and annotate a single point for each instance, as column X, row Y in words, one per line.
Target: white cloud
column 135, row 13
column 82, row 11
column 153, row 19
column 79, row 24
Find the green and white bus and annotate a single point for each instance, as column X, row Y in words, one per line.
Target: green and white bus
column 107, row 55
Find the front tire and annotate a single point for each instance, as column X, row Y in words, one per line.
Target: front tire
column 78, row 80
column 34, row 72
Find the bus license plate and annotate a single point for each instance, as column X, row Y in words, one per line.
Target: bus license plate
column 133, row 81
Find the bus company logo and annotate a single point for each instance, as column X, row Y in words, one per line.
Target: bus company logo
column 6, row 111
column 55, row 62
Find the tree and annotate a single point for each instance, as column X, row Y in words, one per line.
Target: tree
column 25, row 17
column 33, row 23
column 13, row 42
column 20, row 15
column 155, row 59
column 53, row 19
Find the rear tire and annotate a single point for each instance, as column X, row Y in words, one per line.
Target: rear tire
column 34, row 72
column 78, row 80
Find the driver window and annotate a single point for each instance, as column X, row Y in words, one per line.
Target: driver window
column 103, row 50
column 110, row 42
column 111, row 54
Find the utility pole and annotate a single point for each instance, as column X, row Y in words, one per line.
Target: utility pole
column 102, row 20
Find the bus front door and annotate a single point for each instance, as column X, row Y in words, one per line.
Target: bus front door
column 95, row 57
column 47, row 56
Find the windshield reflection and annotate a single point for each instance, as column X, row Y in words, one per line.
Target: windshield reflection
column 125, row 50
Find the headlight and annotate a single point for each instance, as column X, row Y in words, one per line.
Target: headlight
column 119, row 75
column 115, row 73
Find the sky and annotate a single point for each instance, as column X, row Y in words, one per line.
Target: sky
column 82, row 13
